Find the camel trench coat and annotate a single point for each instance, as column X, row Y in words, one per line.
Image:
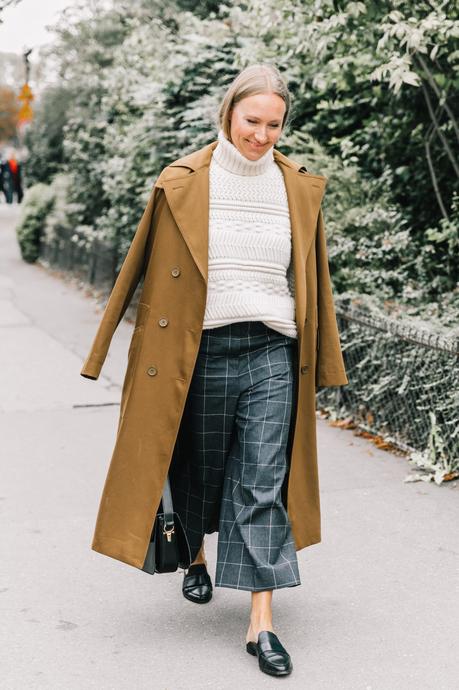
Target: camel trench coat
column 169, row 253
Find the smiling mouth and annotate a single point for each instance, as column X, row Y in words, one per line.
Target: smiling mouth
column 256, row 146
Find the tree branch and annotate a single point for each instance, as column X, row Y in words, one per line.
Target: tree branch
column 6, row 3
column 417, row 57
column 433, row 175
column 438, row 130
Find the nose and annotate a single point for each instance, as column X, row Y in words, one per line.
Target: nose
column 261, row 136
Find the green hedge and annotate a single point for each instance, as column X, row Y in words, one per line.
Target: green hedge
column 37, row 203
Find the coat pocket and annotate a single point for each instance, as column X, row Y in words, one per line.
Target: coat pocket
column 142, row 313
column 130, row 371
column 134, row 345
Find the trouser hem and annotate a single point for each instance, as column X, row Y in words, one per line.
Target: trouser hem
column 257, row 589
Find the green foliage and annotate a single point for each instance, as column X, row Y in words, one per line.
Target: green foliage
column 152, row 120
column 441, row 249
column 140, row 86
column 44, row 139
column 434, row 462
column 350, row 66
column 202, row 8
column 64, row 215
column 364, row 228
column 36, row 204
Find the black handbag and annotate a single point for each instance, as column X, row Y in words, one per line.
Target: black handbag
column 168, row 548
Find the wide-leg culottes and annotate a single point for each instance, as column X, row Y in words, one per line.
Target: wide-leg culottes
column 233, row 456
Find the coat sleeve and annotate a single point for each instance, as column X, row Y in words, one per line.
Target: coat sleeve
column 123, row 289
column 330, row 369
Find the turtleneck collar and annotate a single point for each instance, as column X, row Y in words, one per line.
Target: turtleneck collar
column 229, row 157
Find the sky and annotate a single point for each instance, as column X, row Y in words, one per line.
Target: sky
column 24, row 25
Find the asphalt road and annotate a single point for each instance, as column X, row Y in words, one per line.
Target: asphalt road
column 378, row 608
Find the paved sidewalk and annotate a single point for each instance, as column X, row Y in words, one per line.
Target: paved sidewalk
column 378, row 608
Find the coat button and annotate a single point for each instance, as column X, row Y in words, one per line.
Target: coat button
column 152, row 371
column 304, row 369
column 163, row 322
column 175, row 271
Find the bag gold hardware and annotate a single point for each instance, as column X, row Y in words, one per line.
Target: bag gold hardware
column 168, row 533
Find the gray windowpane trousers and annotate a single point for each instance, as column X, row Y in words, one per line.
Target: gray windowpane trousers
column 232, row 450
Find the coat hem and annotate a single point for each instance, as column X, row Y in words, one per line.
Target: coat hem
column 118, row 554
column 332, row 379
column 302, row 544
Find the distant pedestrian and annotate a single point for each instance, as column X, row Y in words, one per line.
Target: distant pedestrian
column 12, row 179
column 2, row 188
column 235, row 330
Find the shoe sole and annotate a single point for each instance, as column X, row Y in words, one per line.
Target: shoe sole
column 251, row 647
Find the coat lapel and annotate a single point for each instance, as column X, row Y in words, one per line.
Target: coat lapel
column 188, row 200
column 187, row 195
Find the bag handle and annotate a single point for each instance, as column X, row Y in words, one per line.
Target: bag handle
column 168, row 508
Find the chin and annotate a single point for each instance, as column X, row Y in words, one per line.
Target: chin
column 254, row 154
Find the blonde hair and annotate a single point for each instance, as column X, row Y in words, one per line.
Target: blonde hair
column 255, row 79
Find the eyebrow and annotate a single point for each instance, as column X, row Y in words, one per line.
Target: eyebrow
column 254, row 117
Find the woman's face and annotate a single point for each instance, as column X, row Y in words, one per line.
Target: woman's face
column 256, row 124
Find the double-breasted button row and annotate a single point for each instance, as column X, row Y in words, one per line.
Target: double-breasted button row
column 152, row 371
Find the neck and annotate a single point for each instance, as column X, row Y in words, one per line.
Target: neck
column 229, row 157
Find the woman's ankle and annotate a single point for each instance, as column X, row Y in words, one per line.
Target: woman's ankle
column 200, row 562
column 255, row 629
column 200, row 557
column 262, row 623
column 261, row 613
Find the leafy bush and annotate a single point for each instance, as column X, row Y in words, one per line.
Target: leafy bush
column 145, row 89
column 65, row 213
column 37, row 203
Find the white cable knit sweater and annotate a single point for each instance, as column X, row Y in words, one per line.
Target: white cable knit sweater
column 250, row 275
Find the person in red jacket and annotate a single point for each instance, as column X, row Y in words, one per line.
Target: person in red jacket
column 12, row 179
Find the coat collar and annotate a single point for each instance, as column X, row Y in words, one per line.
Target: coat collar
column 186, row 185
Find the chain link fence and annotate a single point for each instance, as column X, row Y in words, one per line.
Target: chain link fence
column 403, row 386
column 68, row 251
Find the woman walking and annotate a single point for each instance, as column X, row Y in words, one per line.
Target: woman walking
column 225, row 360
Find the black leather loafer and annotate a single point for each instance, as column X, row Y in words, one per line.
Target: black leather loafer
column 273, row 658
column 197, row 585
